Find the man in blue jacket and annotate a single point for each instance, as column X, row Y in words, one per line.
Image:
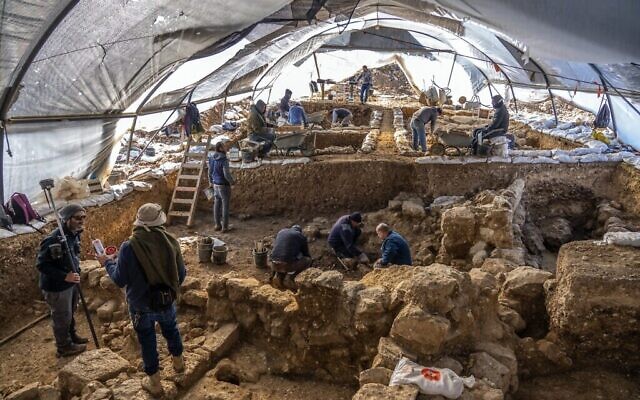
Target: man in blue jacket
column 220, row 179
column 297, row 115
column 395, row 249
column 151, row 267
column 344, row 235
column 59, row 283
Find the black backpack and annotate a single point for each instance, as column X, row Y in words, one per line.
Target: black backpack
column 603, row 117
column 5, row 219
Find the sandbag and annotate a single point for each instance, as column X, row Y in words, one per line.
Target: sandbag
column 623, row 238
column 434, row 381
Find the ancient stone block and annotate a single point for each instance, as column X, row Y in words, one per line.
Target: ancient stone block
column 378, row 375
column 222, row 340
column 458, row 225
column 195, row 364
column 376, row 391
column 556, row 232
column 390, row 352
column 105, row 311
column 485, row 366
column 28, row 392
column 93, row 365
column 196, row 298
column 422, row 332
column 240, row 289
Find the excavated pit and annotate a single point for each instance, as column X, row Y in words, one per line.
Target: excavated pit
column 343, row 322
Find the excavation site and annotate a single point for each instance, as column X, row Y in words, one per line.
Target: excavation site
column 319, row 200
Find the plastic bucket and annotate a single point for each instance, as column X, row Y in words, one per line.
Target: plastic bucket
column 247, row 156
column 219, row 255
column 260, row 258
column 205, row 247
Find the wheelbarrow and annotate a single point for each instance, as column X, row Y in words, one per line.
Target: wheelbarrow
column 289, row 142
column 454, row 139
column 316, row 118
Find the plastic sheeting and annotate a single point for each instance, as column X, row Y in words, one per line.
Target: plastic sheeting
column 53, row 150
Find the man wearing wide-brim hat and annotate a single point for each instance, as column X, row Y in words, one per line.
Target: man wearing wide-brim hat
column 151, row 267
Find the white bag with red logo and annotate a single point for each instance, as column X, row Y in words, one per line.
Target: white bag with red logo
column 436, row 381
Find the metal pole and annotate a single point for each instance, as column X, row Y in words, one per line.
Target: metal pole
column 46, row 187
column 315, row 59
column 224, row 106
column 515, row 102
column 606, row 93
column 154, row 136
column 133, row 127
column 453, row 64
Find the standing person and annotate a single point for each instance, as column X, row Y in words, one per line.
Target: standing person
column 365, row 78
column 59, row 283
column 419, row 119
column 341, row 114
column 151, row 267
column 395, row 249
column 297, row 116
column 258, row 127
column 221, row 179
column 344, row 235
column 289, row 257
column 283, row 106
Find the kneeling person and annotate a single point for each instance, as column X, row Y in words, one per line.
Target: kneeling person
column 341, row 114
column 290, row 256
column 395, row 249
column 344, row 235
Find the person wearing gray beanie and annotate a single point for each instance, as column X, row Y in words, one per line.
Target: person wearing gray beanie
column 58, row 281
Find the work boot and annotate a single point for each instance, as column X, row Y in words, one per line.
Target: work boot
column 276, row 280
column 152, row 384
column 71, row 350
column 78, row 339
column 289, row 283
column 226, row 228
column 178, row 363
column 217, row 228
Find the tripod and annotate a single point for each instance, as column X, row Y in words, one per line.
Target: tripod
column 47, row 185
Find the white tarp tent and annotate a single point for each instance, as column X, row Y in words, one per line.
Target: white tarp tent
column 68, row 69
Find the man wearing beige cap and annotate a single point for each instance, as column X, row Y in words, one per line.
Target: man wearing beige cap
column 151, row 267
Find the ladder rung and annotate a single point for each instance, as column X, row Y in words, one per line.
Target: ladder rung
column 191, row 165
column 179, row 213
column 185, row 189
column 195, row 177
column 196, row 155
column 183, row 201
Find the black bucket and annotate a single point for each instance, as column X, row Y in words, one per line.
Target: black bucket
column 260, row 258
column 205, row 247
column 219, row 255
column 248, row 156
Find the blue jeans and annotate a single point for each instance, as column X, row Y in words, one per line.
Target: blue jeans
column 364, row 92
column 222, row 194
column 144, row 324
column 419, row 135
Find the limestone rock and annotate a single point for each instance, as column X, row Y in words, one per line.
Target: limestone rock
column 485, row 366
column 239, row 289
column 533, row 238
column 378, row 375
column 94, row 276
column 511, row 317
column 219, row 309
column 94, row 365
column 451, row 363
column 107, row 284
column 523, row 291
column 482, row 391
column 497, row 266
column 195, row 297
column 594, row 305
column 410, row 327
column 195, row 367
column 220, row 342
column 458, row 225
column 218, row 390
column 413, row 208
column 556, row 232
column 105, row 311
column 395, row 205
column 442, row 203
column 28, row 392
column 190, row 283
column 390, row 352
column 376, row 391
column 48, row 392
column 515, row 255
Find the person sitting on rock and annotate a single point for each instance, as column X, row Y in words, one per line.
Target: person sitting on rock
column 341, row 114
column 258, row 127
column 395, row 249
column 151, row 267
column 289, row 257
column 344, row 235
column 495, row 132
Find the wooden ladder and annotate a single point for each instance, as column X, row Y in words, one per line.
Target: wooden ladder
column 185, row 195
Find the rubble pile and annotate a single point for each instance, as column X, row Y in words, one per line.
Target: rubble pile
column 402, row 136
column 370, row 141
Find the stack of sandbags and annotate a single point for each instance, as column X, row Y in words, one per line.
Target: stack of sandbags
column 70, row 188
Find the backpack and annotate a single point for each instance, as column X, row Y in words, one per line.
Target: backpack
column 20, row 209
column 603, row 117
column 5, row 219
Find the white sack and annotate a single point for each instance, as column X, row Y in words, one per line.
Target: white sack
column 435, row 381
column 623, row 238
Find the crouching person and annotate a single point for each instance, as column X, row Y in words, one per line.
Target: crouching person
column 395, row 249
column 151, row 267
column 344, row 236
column 289, row 257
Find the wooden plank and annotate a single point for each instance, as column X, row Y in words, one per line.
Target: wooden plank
column 195, row 177
column 186, row 189
column 179, row 213
column 183, row 201
column 196, row 155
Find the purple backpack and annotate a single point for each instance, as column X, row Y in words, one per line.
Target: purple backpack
column 20, row 209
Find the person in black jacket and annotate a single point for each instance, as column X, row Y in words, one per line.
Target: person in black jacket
column 344, row 235
column 59, row 283
column 499, row 124
column 290, row 256
column 220, row 179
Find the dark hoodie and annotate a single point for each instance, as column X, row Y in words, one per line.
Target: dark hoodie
column 257, row 122
column 284, row 102
column 219, row 173
column 500, row 116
